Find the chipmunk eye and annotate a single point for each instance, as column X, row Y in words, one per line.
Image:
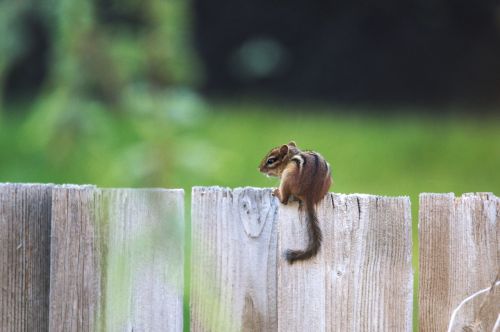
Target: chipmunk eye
column 271, row 160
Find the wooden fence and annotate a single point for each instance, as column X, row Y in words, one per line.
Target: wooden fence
column 80, row 258
column 459, row 255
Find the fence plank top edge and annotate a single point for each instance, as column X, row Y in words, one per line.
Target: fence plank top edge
column 205, row 189
column 89, row 186
column 479, row 194
column 20, row 184
column 165, row 190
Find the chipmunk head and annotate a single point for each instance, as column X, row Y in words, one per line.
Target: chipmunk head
column 276, row 160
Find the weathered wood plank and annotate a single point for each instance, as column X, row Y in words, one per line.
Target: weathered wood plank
column 459, row 255
column 145, row 260
column 76, row 258
column 233, row 264
column 24, row 256
column 362, row 278
column 360, row 281
column 116, row 259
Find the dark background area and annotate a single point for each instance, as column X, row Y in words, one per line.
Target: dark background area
column 415, row 51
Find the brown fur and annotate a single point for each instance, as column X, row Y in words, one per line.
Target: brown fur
column 306, row 177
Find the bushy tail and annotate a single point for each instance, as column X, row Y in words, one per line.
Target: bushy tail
column 315, row 237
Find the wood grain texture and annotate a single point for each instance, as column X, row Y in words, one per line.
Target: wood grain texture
column 459, row 255
column 360, row 281
column 116, row 259
column 362, row 278
column 24, row 256
column 233, row 264
column 76, row 256
column 144, row 267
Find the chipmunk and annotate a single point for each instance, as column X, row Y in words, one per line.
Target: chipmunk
column 306, row 176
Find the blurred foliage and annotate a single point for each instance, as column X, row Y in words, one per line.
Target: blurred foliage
column 97, row 49
column 118, row 109
column 178, row 140
column 117, row 89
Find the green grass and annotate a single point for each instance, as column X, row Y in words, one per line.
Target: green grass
column 222, row 144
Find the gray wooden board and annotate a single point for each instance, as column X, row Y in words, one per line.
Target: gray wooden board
column 24, row 256
column 116, row 259
column 361, row 280
column 233, row 264
column 459, row 255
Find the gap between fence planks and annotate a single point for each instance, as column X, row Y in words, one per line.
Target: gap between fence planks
column 361, row 280
column 459, row 256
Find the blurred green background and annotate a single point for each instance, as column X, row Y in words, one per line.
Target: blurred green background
column 120, row 106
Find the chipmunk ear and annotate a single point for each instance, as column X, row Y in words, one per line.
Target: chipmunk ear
column 292, row 143
column 283, row 149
